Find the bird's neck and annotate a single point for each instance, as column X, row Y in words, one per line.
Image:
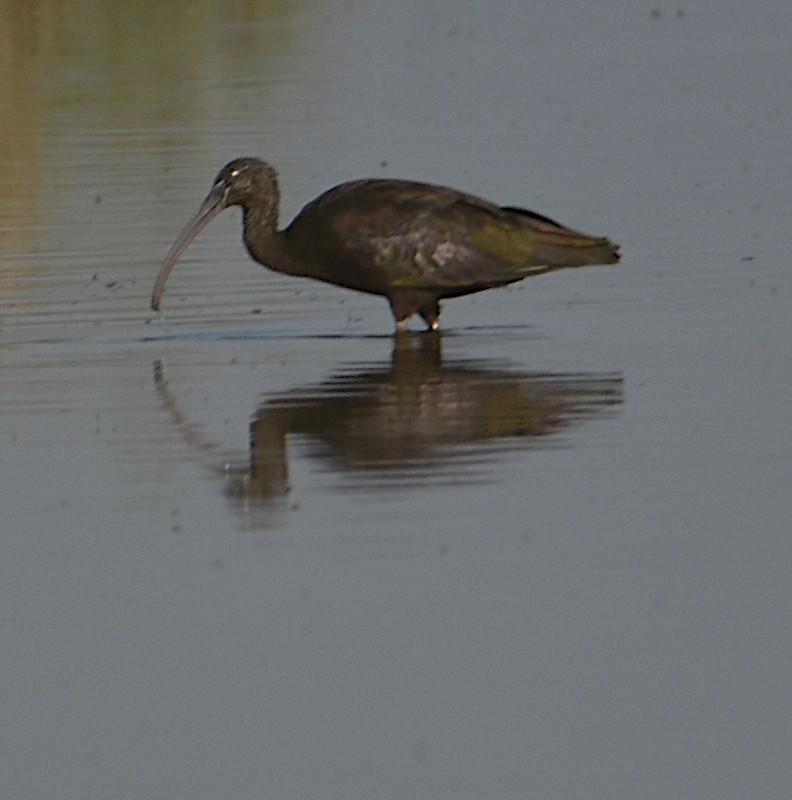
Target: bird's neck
column 263, row 240
column 260, row 220
column 259, row 226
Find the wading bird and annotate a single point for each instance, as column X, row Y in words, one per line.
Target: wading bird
column 413, row 243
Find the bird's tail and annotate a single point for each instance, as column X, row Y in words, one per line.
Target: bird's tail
column 556, row 246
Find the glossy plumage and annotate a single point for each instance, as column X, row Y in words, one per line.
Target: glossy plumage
column 412, row 243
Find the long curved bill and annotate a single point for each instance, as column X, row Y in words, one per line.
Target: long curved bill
column 210, row 208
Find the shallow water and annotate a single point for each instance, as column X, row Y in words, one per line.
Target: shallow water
column 255, row 546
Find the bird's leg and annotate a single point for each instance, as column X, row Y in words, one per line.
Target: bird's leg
column 403, row 307
column 430, row 313
column 406, row 302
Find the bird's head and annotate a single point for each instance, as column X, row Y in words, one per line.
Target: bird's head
column 246, row 182
column 243, row 181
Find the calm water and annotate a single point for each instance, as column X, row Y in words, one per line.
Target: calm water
column 255, row 546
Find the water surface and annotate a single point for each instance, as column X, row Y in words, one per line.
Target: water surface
column 255, row 546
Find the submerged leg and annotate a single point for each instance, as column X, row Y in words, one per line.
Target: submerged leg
column 402, row 311
column 430, row 313
column 406, row 302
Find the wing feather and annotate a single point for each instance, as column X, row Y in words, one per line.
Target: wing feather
column 419, row 236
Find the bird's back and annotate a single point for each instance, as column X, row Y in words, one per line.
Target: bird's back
column 380, row 234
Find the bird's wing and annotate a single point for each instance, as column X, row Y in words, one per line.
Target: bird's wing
column 421, row 236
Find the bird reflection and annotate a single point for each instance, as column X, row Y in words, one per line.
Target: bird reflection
column 412, row 420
